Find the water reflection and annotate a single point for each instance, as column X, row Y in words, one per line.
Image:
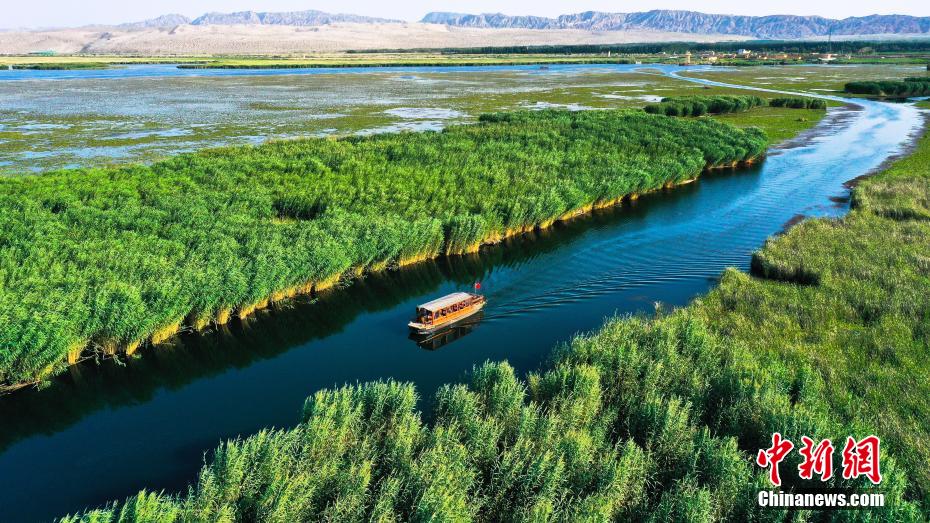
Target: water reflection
column 441, row 338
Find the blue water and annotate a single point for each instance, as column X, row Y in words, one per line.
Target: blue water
column 104, row 431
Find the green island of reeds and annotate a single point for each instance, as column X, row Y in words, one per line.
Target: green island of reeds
column 798, row 103
column 701, row 105
column 726, row 104
column 96, row 261
column 652, row 419
column 913, row 86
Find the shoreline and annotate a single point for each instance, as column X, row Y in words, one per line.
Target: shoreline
column 909, row 146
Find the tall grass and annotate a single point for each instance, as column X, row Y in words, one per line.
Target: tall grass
column 105, row 259
column 798, row 103
column 912, row 86
column 646, row 419
column 642, row 421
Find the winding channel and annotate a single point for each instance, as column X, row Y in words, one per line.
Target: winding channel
column 105, row 431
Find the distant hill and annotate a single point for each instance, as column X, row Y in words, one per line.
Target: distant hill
column 661, row 20
column 775, row 26
column 293, row 18
column 172, row 20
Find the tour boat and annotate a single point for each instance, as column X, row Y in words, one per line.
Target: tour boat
column 445, row 311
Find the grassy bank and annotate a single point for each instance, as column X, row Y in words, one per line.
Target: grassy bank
column 844, row 302
column 103, row 260
column 647, row 419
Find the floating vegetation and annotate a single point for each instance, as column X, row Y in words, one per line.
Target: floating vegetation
column 109, row 258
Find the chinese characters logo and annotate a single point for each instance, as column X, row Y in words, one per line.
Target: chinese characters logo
column 860, row 458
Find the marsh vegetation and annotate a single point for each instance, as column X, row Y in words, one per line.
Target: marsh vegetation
column 647, row 418
column 133, row 254
column 799, row 103
column 701, row 105
column 912, row 86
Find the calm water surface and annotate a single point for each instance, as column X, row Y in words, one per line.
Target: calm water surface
column 104, row 431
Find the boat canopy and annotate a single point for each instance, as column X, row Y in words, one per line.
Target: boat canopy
column 446, row 301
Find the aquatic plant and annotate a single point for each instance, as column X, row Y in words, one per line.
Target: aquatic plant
column 701, row 105
column 102, row 260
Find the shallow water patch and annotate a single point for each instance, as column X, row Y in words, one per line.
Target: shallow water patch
column 641, row 97
column 424, row 113
column 539, row 106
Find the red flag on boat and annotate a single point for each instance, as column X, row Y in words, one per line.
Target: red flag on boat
column 477, row 285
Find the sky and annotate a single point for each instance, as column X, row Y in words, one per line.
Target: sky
column 71, row 13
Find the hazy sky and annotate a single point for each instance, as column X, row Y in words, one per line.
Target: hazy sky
column 46, row 13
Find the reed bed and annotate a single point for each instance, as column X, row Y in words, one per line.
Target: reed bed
column 798, row 103
column 110, row 258
column 701, row 105
column 912, row 86
column 653, row 419
column 645, row 420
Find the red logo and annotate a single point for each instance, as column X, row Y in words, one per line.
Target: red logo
column 773, row 455
column 860, row 458
column 819, row 460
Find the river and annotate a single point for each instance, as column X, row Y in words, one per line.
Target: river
column 104, row 431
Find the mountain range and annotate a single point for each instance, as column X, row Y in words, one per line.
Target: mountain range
column 773, row 26
column 687, row 22
column 308, row 18
column 293, row 18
